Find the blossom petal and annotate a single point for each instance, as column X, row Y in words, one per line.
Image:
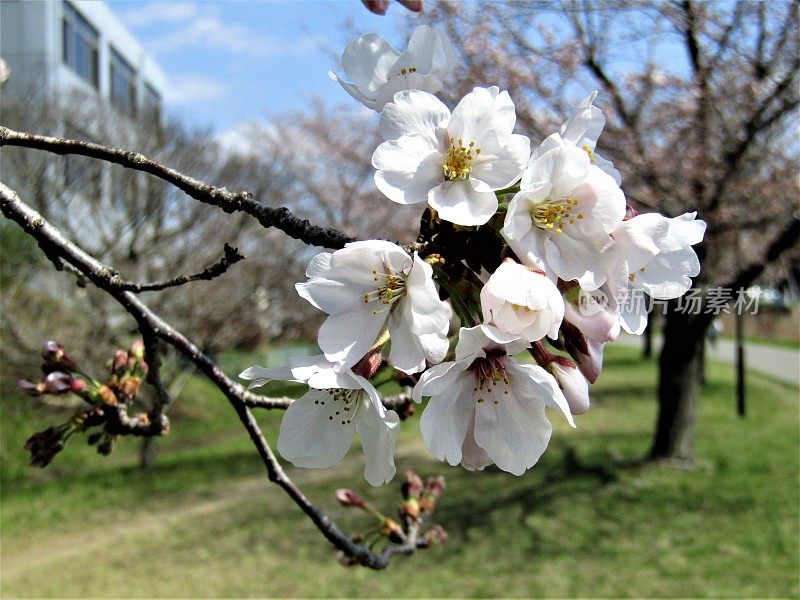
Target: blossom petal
column 406, row 353
column 429, row 51
column 422, row 308
column 668, row 274
column 546, row 387
column 514, row 432
column 367, row 61
column 378, row 441
column 346, row 338
column 506, row 165
column 354, row 91
column 414, row 112
column 308, row 438
column 445, row 420
column 481, row 111
column 458, row 203
column 473, row 457
column 438, row 379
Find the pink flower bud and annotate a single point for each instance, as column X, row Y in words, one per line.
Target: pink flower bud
column 137, row 349
column 572, row 383
column 78, row 386
column 349, row 498
column 412, row 486
column 30, row 388
column 587, row 354
column 57, row 383
column 369, row 365
column 120, row 362
column 54, row 353
column 436, row 535
column 434, row 486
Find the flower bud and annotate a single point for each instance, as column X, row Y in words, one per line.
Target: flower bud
column 412, row 486
column 410, row 508
column 369, row 365
column 436, row 535
column 588, row 355
column 630, row 212
column 137, row 350
column 30, row 388
column 57, row 383
column 392, row 530
column 434, row 486
column 572, row 383
column 54, row 354
column 349, row 498
column 120, row 362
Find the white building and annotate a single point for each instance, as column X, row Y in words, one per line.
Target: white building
column 57, row 47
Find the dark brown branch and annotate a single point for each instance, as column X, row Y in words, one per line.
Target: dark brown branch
column 280, row 218
column 61, row 250
column 231, row 257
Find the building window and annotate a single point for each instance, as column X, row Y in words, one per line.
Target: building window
column 151, row 104
column 123, row 84
column 80, row 41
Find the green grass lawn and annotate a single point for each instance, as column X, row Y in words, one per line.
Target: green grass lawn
column 206, row 522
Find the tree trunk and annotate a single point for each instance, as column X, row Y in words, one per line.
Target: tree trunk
column 677, row 388
column 647, row 336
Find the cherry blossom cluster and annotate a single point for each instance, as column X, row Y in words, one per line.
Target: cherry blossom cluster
column 562, row 246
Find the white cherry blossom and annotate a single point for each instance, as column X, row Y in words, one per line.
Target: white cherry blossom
column 581, row 130
column 487, row 408
column 655, row 256
column 370, row 286
column 523, row 302
column 454, row 162
column 317, row 429
column 378, row 71
column 561, row 219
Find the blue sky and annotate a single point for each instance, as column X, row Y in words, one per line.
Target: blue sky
column 234, row 61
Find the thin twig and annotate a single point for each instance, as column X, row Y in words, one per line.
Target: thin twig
column 230, row 202
column 60, row 251
column 231, row 257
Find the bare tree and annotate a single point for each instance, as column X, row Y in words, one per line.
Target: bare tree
column 702, row 106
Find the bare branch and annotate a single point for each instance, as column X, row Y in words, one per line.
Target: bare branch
column 61, row 250
column 232, row 256
column 230, row 202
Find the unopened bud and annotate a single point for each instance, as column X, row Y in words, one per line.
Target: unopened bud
column 630, row 212
column 54, row 353
column 137, row 350
column 349, row 498
column 412, row 486
column 57, row 383
column 391, row 529
column 369, row 365
column 434, row 486
column 129, row 387
column 30, row 388
column 436, row 535
column 410, row 508
column 572, row 384
column 120, row 362
column 78, row 386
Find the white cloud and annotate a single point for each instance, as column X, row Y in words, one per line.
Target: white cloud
column 192, row 88
column 188, row 24
column 159, row 12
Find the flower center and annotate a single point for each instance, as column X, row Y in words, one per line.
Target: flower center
column 458, row 160
column 391, row 287
column 491, row 379
column 554, row 214
column 342, row 405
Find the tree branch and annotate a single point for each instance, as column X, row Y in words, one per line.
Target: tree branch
column 280, row 218
column 59, row 249
column 231, row 257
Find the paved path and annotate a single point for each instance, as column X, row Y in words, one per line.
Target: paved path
column 782, row 363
